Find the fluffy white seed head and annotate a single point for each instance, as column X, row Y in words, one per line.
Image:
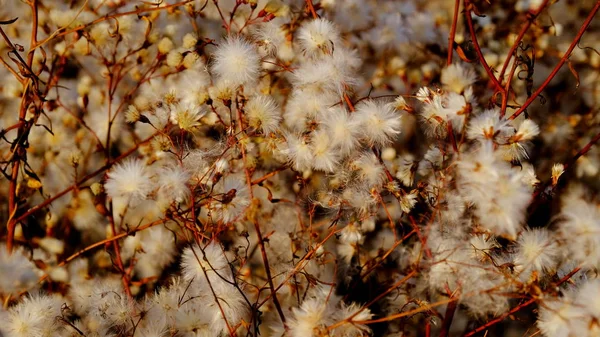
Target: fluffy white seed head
column 536, row 252
column 527, row 130
column 325, row 156
column 263, row 113
column 351, row 234
column 488, row 125
column 186, row 116
column 457, row 77
column 557, row 170
column 130, row 179
column 343, row 128
column 298, row 152
column 210, row 259
column 234, row 201
column 318, row 37
column 369, row 169
column 270, row 36
column 236, row 61
column 35, row 315
column 21, row 271
column 579, row 227
column 172, row 182
column 499, row 195
column 379, row 122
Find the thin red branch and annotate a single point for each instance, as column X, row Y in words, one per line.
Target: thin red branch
column 531, row 16
column 518, row 307
column 311, row 8
column 261, row 241
column 23, row 131
column 567, row 166
column 488, row 70
column 452, row 32
column 449, row 315
column 501, row 317
column 562, row 61
column 108, row 17
column 507, row 90
column 373, row 301
column 81, row 181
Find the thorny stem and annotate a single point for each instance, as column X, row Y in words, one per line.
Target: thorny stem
column 562, row 61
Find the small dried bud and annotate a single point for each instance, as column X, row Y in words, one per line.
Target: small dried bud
column 132, row 114
column 58, row 274
column 165, row 45
column 74, row 159
column 189, row 41
column 408, row 201
column 557, row 170
column 96, row 188
column 174, row 58
column 52, row 245
column 190, row 60
column 400, row 103
column 34, row 183
column 161, row 143
column 389, row 154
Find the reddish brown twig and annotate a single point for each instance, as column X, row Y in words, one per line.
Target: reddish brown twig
column 373, row 301
column 531, row 16
column 507, row 90
column 449, row 315
column 22, row 131
column 301, row 264
column 104, row 242
column 567, row 166
column 261, row 240
column 518, row 307
column 501, row 317
column 119, row 260
column 311, row 8
column 562, row 61
column 57, row 33
column 583, row 151
column 488, row 70
column 82, row 180
column 452, row 32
